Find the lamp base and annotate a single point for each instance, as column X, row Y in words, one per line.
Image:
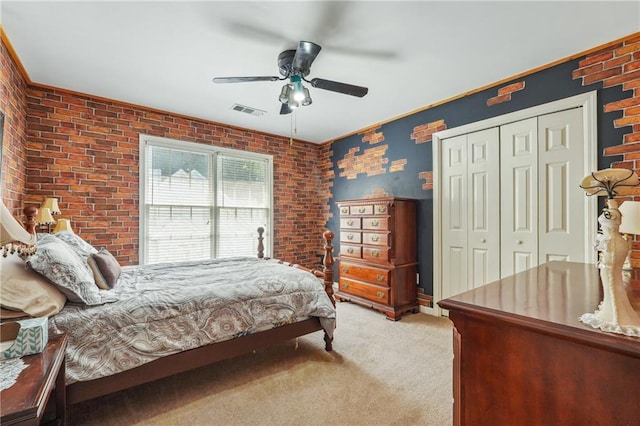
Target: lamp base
column 615, row 313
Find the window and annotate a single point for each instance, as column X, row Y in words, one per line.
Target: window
column 200, row 202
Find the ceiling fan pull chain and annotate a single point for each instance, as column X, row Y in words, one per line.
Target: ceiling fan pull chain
column 291, row 131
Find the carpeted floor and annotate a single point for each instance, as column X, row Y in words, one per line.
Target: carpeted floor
column 380, row 373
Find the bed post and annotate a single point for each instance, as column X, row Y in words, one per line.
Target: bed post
column 327, row 266
column 260, row 243
column 30, row 224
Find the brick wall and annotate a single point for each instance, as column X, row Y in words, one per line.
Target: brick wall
column 619, row 65
column 85, row 151
column 13, row 105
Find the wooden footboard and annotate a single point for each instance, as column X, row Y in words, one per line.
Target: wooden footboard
column 327, row 261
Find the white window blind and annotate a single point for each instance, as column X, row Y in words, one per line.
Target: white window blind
column 201, row 202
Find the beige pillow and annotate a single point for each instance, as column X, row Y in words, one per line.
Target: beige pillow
column 26, row 291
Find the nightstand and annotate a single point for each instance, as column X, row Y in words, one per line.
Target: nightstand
column 24, row 403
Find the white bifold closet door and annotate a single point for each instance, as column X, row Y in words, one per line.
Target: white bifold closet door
column 471, row 215
column 509, row 199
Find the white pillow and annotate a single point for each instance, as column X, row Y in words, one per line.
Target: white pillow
column 22, row 290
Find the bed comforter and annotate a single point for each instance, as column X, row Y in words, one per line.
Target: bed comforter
column 168, row 308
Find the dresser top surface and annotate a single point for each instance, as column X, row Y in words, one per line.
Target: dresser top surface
column 550, row 297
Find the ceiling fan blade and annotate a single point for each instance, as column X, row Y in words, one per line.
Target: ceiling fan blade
column 244, row 79
column 334, row 86
column 305, row 55
column 285, row 109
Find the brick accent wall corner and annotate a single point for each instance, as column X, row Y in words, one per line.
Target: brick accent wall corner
column 619, row 65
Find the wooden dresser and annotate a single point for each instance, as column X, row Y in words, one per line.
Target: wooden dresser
column 521, row 356
column 377, row 265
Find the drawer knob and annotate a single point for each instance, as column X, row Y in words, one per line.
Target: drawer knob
column 350, row 237
column 350, row 222
column 375, row 238
column 345, row 270
column 382, row 209
column 344, row 210
column 345, row 285
column 375, row 253
column 380, row 295
column 361, row 210
column 349, row 250
column 380, row 277
column 375, row 223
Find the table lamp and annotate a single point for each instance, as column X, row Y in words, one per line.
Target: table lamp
column 614, row 313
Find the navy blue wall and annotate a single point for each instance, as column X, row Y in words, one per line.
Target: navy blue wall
column 548, row 85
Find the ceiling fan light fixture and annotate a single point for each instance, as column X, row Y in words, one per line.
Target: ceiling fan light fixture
column 307, row 98
column 285, row 93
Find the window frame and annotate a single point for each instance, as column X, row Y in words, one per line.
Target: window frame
column 157, row 141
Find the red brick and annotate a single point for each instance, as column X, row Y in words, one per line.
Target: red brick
column 581, row 72
column 600, row 76
column 625, row 103
column 634, row 47
column 614, row 81
column 511, row 88
column 595, row 58
column 498, row 99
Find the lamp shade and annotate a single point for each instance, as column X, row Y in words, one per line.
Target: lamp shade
column 44, row 217
column 630, row 211
column 51, row 204
column 11, row 231
column 607, row 181
column 63, row 225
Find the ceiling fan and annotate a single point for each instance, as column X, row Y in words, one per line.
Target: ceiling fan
column 294, row 65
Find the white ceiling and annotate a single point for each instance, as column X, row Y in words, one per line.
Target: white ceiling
column 164, row 54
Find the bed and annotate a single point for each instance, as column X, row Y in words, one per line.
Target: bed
column 159, row 320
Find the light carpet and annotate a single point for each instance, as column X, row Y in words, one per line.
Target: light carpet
column 379, row 373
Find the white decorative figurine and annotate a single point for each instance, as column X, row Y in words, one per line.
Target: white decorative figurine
column 615, row 313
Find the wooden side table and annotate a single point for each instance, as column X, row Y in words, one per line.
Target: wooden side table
column 24, row 403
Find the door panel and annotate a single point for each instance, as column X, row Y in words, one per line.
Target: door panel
column 454, row 207
column 518, row 196
column 483, row 205
column 562, row 219
column 471, row 220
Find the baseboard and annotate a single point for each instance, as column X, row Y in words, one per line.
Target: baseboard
column 428, row 310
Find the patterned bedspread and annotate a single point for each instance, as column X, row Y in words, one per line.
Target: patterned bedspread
column 168, row 308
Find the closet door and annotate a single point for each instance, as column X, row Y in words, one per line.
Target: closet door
column 454, row 209
column 471, row 216
column 483, row 172
column 561, row 168
column 519, row 196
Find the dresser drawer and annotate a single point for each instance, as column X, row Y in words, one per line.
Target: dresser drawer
column 381, row 223
column 377, row 239
column 375, row 254
column 351, row 223
column 365, row 273
column 381, row 209
column 368, row 291
column 350, row 237
column 351, row 250
column 362, row 210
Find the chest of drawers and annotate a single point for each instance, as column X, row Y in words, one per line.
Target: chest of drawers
column 377, row 265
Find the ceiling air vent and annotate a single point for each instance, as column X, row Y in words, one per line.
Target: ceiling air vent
column 247, row 110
